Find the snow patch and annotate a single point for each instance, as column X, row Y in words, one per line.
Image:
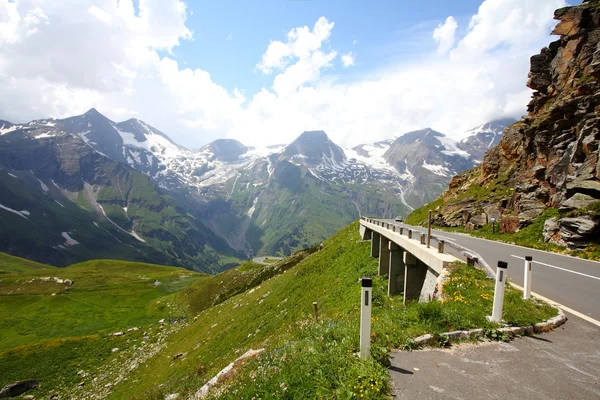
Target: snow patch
column 44, row 135
column 7, row 129
column 451, row 149
column 25, row 212
column 57, row 202
column 251, row 210
column 14, row 176
column 19, row 213
column 153, row 143
column 132, row 233
column 69, row 241
column 436, row 169
column 44, row 186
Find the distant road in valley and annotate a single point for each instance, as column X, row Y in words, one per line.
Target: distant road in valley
column 570, row 281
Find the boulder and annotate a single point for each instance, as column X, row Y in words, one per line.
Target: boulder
column 478, row 220
column 551, row 230
column 577, row 201
column 529, row 210
column 589, row 187
column 16, row 388
column 577, row 231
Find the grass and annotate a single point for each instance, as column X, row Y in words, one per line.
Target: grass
column 250, row 307
column 49, row 330
column 319, row 359
column 11, row 264
column 316, row 359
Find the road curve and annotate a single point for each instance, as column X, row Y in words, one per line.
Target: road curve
column 261, row 260
column 570, row 281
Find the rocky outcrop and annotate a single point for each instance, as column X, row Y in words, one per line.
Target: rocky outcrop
column 550, row 157
column 17, row 388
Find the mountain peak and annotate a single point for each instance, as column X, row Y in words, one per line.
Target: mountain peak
column 92, row 112
column 226, row 149
column 313, row 146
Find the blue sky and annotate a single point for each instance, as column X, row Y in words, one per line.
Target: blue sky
column 385, row 32
column 363, row 71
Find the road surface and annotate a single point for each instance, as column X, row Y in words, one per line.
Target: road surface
column 570, row 281
column 562, row 364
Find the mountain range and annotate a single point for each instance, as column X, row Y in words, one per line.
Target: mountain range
column 87, row 187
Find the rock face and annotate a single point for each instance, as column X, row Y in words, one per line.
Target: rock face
column 550, row 157
column 17, row 388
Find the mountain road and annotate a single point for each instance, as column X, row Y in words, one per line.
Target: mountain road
column 572, row 282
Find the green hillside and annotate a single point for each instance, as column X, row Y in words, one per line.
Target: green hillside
column 11, row 264
column 54, row 337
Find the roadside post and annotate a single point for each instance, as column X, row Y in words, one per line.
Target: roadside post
column 527, row 278
column 499, row 292
column 493, row 224
column 365, row 317
column 429, row 229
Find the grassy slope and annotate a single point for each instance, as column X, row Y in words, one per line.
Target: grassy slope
column 273, row 314
column 106, row 296
column 11, row 264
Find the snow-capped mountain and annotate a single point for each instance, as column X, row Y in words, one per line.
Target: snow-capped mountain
column 478, row 140
column 303, row 191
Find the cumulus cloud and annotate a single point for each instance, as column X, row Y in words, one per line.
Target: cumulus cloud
column 348, row 60
column 444, row 35
column 60, row 58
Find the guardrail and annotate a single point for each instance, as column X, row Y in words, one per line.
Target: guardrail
column 472, row 257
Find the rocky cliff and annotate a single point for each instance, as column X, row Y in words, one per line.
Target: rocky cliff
column 549, row 159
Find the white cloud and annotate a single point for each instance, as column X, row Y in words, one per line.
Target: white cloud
column 60, row 58
column 348, row 60
column 444, row 35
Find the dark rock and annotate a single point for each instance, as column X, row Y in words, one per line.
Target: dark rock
column 589, row 187
column 577, row 231
column 551, row 229
column 577, row 201
column 18, row 388
column 478, row 220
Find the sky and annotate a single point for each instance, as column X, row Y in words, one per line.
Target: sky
column 264, row 71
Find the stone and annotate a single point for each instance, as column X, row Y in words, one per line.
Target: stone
column 478, row 220
column 589, row 187
column 551, row 229
column 29, row 397
column 577, row 201
column 577, row 231
column 172, row 396
column 16, row 388
column 530, row 210
column 178, row 356
column 118, row 334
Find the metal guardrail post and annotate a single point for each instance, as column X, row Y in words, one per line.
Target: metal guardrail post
column 499, row 292
column 365, row 317
column 410, row 233
column 527, row 278
column 429, row 229
column 422, row 239
column 440, row 246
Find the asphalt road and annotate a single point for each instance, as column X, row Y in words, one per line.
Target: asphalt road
column 261, row 260
column 570, row 281
column 562, row 364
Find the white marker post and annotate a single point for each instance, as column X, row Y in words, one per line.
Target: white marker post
column 499, row 291
column 365, row 317
column 527, row 278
